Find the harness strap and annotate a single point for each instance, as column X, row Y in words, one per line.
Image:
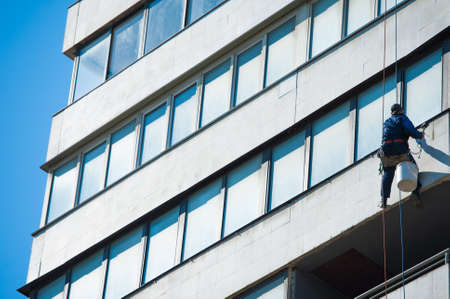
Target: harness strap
column 394, row 140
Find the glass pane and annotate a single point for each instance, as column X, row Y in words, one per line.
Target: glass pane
column 93, row 172
column 368, row 135
column 54, row 290
column 280, row 52
column 331, row 144
column 245, row 195
column 424, row 88
column 248, row 73
column 272, row 289
column 92, row 66
column 288, row 160
column 203, row 219
column 389, row 4
column 326, row 27
column 161, row 245
column 360, row 12
column 121, row 154
column 87, row 278
column 154, row 134
column 165, row 18
column 198, row 8
column 63, row 190
column 124, row 265
column 185, row 108
column 125, row 44
column 216, row 93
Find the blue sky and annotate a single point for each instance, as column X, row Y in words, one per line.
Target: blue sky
column 34, row 81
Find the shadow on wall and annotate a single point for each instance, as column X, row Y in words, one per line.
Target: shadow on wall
column 435, row 153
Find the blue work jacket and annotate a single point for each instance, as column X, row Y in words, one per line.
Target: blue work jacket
column 398, row 127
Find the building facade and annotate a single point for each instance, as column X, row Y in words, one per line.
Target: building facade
column 226, row 149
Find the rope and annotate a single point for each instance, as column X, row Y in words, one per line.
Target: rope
column 383, row 204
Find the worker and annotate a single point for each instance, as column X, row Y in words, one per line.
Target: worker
column 394, row 149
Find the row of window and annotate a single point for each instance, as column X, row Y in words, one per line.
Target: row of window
column 256, row 186
column 144, row 31
column 134, row 37
column 213, row 93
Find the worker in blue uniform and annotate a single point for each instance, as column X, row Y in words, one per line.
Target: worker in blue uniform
column 394, row 149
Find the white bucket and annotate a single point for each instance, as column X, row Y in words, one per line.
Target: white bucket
column 407, row 173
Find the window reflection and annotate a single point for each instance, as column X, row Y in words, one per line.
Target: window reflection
column 54, row 290
column 216, row 92
column 165, row 18
column 154, row 133
column 93, row 172
column 92, row 66
column 280, row 52
column 198, row 8
column 87, row 278
column 185, row 107
column 326, row 25
column 330, row 144
column 359, row 13
column 203, row 219
column 161, row 247
column 125, row 44
column 423, row 82
column 121, row 153
column 248, row 73
column 63, row 190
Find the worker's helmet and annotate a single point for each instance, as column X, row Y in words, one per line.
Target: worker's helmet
column 396, row 108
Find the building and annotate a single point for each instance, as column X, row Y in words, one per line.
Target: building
column 225, row 149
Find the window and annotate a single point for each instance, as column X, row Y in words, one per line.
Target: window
column 203, row 219
column 216, row 92
column 184, row 112
column 54, row 290
column 198, row 8
column 62, row 193
column 368, row 134
column 161, row 247
column 124, row 267
column 326, row 25
column 390, row 4
column 93, row 172
column 92, row 66
column 280, row 52
column 359, row 13
column 288, row 160
column 125, row 44
column 245, row 195
column 154, row 134
column 87, row 278
column 330, row 144
column 165, row 18
column 423, row 85
column 273, row 288
column 121, row 155
column 248, row 73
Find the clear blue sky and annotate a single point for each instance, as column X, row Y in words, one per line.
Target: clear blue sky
column 34, row 81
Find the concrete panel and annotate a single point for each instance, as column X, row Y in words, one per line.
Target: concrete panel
column 178, row 170
column 434, row 284
column 144, row 78
column 280, row 238
column 88, row 16
column 71, row 26
column 362, row 57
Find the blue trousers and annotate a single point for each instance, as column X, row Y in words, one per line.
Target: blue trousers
column 388, row 177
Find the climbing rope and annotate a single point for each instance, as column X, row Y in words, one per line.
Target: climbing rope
column 382, row 119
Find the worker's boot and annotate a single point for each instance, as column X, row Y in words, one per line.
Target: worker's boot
column 383, row 203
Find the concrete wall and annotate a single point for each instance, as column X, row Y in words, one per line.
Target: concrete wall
column 362, row 57
column 285, row 235
column 88, row 16
column 434, row 284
